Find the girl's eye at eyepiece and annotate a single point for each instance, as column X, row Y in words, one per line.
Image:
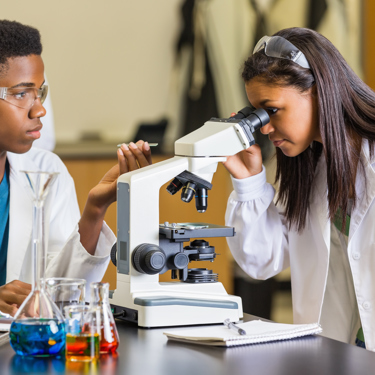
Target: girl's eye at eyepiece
column 271, row 111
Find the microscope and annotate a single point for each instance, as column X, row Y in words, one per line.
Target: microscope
column 145, row 248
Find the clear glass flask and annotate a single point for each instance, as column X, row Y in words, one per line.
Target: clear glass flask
column 38, row 327
column 109, row 339
column 66, row 291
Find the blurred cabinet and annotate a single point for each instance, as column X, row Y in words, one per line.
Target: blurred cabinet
column 368, row 45
column 88, row 172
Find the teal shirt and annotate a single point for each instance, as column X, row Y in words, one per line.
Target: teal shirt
column 4, row 224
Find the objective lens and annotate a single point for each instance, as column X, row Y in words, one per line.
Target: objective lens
column 201, row 200
column 174, row 186
column 188, row 192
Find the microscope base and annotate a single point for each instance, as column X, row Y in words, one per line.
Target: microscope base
column 155, row 309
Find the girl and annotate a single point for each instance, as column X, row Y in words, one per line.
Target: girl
column 320, row 223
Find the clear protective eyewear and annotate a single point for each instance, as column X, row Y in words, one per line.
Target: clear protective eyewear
column 23, row 97
column 279, row 47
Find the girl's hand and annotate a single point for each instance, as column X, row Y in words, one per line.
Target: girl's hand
column 246, row 163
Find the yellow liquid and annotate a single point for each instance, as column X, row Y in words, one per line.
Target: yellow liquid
column 82, row 347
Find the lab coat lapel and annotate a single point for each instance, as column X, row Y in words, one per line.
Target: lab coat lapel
column 321, row 229
column 365, row 190
column 20, row 221
column 319, row 207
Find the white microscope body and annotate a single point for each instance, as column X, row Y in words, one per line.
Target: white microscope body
column 141, row 297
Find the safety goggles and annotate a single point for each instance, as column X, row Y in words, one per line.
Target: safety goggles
column 23, row 97
column 279, row 47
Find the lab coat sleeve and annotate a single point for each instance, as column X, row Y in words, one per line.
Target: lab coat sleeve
column 260, row 246
column 74, row 261
column 66, row 257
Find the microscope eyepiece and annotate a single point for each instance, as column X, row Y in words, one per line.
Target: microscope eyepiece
column 254, row 121
column 244, row 112
column 258, row 118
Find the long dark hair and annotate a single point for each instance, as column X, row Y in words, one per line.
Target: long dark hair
column 346, row 113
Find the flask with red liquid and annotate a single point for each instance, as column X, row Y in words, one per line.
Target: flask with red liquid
column 109, row 339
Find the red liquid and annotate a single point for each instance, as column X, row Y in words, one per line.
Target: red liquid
column 108, row 347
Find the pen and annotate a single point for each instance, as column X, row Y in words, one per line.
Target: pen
column 231, row 325
column 5, row 316
column 150, row 144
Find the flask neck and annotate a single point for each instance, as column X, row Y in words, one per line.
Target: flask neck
column 38, row 245
column 99, row 294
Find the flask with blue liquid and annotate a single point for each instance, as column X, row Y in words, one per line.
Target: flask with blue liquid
column 38, row 327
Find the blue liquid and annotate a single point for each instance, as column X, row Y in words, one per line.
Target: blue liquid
column 38, row 337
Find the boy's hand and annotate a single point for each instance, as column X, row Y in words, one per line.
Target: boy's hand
column 137, row 155
column 12, row 295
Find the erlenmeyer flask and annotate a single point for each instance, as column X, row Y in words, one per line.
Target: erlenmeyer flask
column 38, row 326
column 109, row 339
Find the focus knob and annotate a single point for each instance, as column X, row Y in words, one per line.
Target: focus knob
column 180, row 261
column 114, row 254
column 149, row 259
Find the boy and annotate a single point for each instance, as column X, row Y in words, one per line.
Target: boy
column 73, row 250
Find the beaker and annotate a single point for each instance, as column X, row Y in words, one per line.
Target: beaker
column 82, row 333
column 109, row 339
column 38, row 327
column 66, row 291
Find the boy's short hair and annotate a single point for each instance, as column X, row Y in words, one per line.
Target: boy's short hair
column 17, row 40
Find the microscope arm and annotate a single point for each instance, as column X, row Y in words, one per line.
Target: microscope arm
column 212, row 139
column 223, row 137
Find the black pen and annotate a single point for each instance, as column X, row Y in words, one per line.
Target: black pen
column 231, row 325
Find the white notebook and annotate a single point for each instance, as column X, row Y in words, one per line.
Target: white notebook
column 4, row 331
column 4, row 327
column 257, row 331
column 4, row 338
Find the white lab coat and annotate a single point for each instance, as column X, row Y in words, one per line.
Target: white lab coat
column 263, row 246
column 66, row 257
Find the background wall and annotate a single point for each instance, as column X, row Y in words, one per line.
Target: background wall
column 108, row 63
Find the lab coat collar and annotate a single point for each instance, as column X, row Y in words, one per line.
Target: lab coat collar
column 20, row 214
